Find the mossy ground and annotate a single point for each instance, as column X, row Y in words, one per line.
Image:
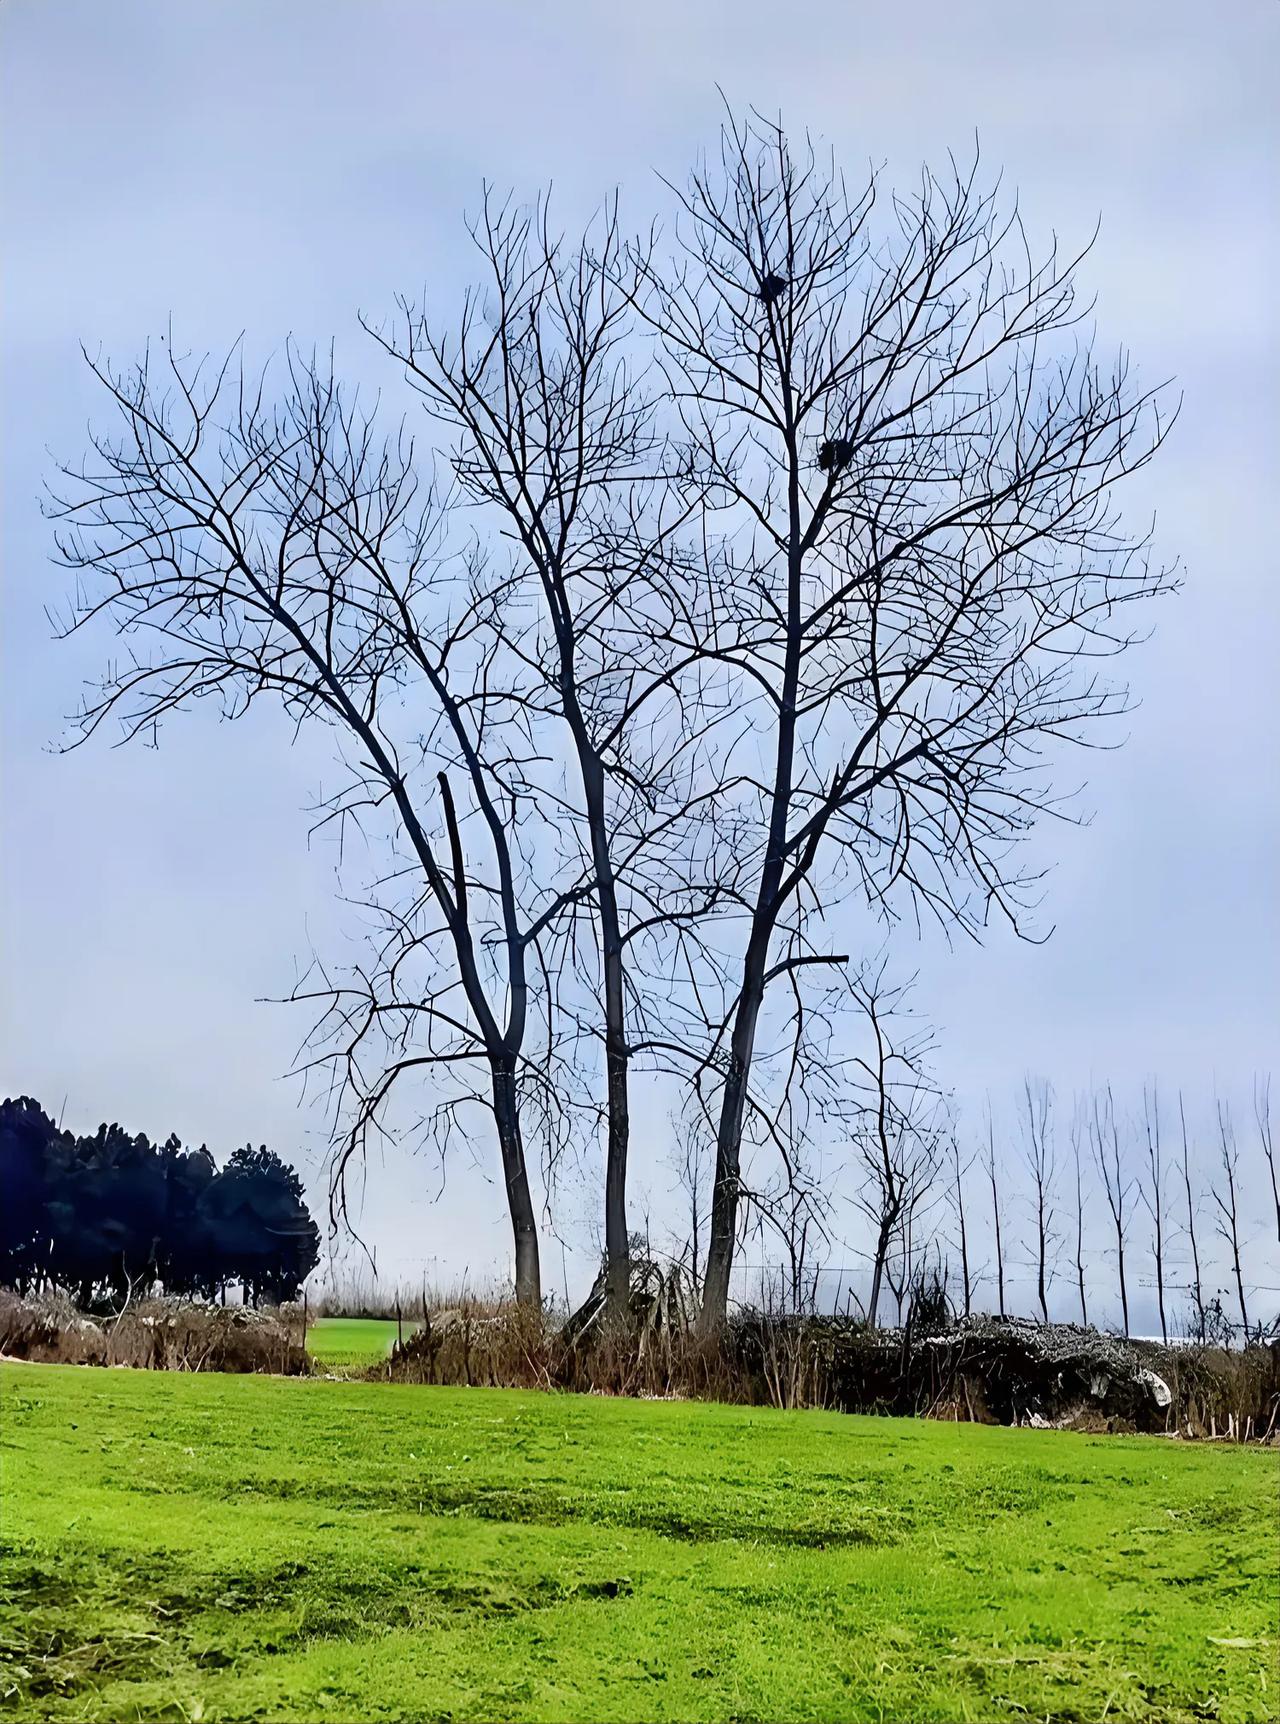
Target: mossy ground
column 200, row 1548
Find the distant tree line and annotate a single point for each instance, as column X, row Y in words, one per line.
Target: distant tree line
column 1155, row 1215
column 113, row 1214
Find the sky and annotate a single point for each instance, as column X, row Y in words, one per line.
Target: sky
column 278, row 169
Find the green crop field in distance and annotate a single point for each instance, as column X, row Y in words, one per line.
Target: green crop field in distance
column 200, row 1548
column 351, row 1343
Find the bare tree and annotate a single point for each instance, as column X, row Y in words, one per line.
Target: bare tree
column 910, row 453
column 995, row 1207
column 1152, row 1193
column 1262, row 1114
column 1226, row 1201
column 1197, row 1284
column 1077, row 1130
column 556, row 440
column 246, row 551
column 1041, row 1164
column 688, row 1161
column 894, row 1131
column 803, row 1234
column 1116, row 1182
column 959, row 1171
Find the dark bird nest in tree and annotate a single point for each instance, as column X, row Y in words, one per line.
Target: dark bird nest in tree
column 835, row 454
column 772, row 287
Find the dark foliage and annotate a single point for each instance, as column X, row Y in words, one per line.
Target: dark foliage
column 111, row 1214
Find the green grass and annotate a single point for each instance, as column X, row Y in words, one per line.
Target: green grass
column 199, row 1548
column 351, row 1343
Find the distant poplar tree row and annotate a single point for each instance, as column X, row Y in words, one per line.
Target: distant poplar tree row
column 110, row 1214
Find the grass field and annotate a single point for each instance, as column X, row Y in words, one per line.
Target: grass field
column 351, row 1343
column 200, row 1548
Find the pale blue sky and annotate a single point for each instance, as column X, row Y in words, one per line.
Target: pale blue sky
column 277, row 168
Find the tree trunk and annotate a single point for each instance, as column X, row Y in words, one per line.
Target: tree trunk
column 1235, row 1263
column 616, row 1241
column 724, row 1194
column 516, row 1175
column 877, row 1273
column 1040, row 1263
column 724, row 1198
column 1197, row 1287
column 1084, row 1310
column 617, row 1251
column 964, row 1237
column 995, row 1211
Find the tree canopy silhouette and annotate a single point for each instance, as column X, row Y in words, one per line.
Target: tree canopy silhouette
column 109, row 1213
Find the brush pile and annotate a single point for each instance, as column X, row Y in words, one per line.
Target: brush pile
column 991, row 1370
column 155, row 1334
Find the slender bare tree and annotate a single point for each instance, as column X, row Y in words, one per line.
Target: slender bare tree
column 1197, row 1284
column 1262, row 1114
column 1117, row 1182
column 555, row 440
column 1152, row 1193
column 993, row 1181
column 689, row 1162
column 1226, row 1201
column 895, row 1130
column 1037, row 1101
column 1077, row 1132
column 909, row 454
column 959, row 1171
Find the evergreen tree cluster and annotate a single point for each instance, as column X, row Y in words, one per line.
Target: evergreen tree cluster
column 105, row 1214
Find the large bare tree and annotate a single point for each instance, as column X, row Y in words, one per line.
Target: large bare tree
column 542, row 389
column 908, row 455
column 250, row 549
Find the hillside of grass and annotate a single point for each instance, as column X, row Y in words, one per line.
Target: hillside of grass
column 201, row 1548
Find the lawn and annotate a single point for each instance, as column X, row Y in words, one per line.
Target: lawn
column 200, row 1548
column 351, row 1343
